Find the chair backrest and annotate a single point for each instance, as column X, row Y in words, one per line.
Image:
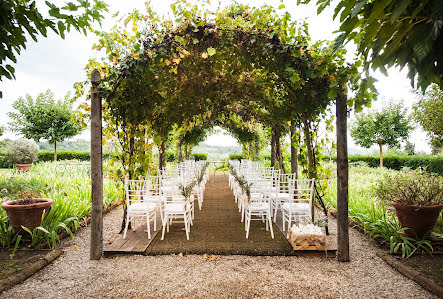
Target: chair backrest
column 135, row 190
column 286, row 183
column 153, row 186
column 304, row 191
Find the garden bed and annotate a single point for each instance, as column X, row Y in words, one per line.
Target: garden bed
column 24, row 264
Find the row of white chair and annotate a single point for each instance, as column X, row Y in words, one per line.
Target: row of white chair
column 163, row 194
column 270, row 191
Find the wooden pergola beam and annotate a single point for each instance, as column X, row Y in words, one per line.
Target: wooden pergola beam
column 96, row 250
column 342, row 179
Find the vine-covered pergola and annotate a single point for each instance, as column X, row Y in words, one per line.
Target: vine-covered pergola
column 241, row 68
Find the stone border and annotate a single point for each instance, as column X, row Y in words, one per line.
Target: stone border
column 412, row 274
column 30, row 270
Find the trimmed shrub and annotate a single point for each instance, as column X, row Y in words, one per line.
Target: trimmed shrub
column 45, row 156
column 235, row 156
column 432, row 164
column 22, row 151
column 200, row 156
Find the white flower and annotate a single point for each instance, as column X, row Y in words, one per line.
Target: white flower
column 306, row 229
column 5, row 190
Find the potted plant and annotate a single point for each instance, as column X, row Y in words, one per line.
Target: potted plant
column 26, row 211
column 22, row 153
column 417, row 199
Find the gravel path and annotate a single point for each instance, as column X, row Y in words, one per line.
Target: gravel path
column 73, row 275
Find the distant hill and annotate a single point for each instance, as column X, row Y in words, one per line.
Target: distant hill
column 215, row 152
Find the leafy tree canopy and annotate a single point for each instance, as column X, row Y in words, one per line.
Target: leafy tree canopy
column 385, row 127
column 23, row 19
column 394, row 32
column 428, row 112
column 243, row 68
column 44, row 118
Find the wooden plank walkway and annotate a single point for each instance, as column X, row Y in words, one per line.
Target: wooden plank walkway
column 217, row 229
column 136, row 241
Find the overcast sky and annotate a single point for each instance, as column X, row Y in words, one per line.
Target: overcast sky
column 56, row 64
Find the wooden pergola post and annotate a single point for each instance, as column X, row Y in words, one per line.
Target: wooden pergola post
column 96, row 250
column 342, row 180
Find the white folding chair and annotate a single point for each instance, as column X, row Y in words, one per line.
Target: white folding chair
column 259, row 205
column 138, row 205
column 177, row 208
column 298, row 207
column 284, row 188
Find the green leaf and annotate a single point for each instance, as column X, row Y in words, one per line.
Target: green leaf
column 332, row 94
column 61, row 29
column 211, row 51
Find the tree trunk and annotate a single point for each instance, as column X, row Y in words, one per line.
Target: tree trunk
column 342, row 180
column 55, row 151
column 257, row 150
column 308, row 142
column 278, row 152
column 179, row 150
column 294, row 159
column 161, row 154
column 188, row 151
column 381, row 153
column 272, row 147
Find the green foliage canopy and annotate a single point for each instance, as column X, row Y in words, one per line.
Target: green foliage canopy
column 394, row 32
column 20, row 20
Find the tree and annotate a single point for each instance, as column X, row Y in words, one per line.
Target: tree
column 20, row 20
column 428, row 112
column 410, row 148
column 386, row 127
column 44, row 118
column 395, row 32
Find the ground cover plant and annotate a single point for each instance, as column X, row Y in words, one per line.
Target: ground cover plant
column 70, row 188
column 375, row 217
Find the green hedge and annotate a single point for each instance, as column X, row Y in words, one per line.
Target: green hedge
column 235, row 156
column 200, row 156
column 431, row 163
column 44, row 156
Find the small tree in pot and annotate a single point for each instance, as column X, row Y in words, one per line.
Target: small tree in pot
column 417, row 199
column 23, row 153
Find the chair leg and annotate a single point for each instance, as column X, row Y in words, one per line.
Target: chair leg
column 186, row 226
column 270, row 226
column 283, row 219
column 248, row 223
column 126, row 227
column 148, row 225
column 155, row 220
column 276, row 209
column 164, row 226
column 289, row 224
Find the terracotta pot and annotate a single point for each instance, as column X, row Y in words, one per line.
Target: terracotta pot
column 420, row 219
column 27, row 215
column 23, row 167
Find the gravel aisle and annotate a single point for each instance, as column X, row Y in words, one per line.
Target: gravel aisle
column 73, row 275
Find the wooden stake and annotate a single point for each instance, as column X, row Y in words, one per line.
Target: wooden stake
column 342, row 180
column 96, row 250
